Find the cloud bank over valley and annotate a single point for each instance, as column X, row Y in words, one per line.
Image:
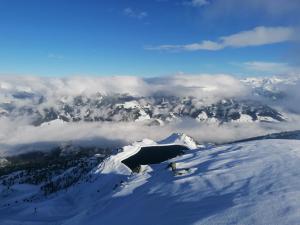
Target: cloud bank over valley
column 113, row 111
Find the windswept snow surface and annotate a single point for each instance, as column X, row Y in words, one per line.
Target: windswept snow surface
column 255, row 182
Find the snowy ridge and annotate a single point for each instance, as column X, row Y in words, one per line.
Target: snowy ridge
column 232, row 184
column 253, row 182
column 271, row 87
column 180, row 139
column 113, row 164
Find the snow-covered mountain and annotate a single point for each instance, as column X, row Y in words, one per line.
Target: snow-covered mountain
column 43, row 106
column 271, row 87
column 253, row 182
column 153, row 110
column 54, row 170
column 180, row 139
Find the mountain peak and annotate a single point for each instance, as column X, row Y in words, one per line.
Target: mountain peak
column 180, row 138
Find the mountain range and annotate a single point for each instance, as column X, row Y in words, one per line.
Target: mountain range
column 260, row 105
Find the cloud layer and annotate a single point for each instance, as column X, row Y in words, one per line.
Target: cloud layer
column 18, row 136
column 208, row 87
column 255, row 37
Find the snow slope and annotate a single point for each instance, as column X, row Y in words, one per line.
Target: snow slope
column 254, row 182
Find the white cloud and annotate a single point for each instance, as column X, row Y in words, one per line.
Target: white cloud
column 255, row 37
column 259, row 36
column 208, row 87
column 272, row 67
column 135, row 14
column 14, row 135
column 196, row 3
column 273, row 9
column 18, row 138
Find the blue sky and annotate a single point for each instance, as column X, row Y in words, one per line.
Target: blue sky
column 148, row 37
